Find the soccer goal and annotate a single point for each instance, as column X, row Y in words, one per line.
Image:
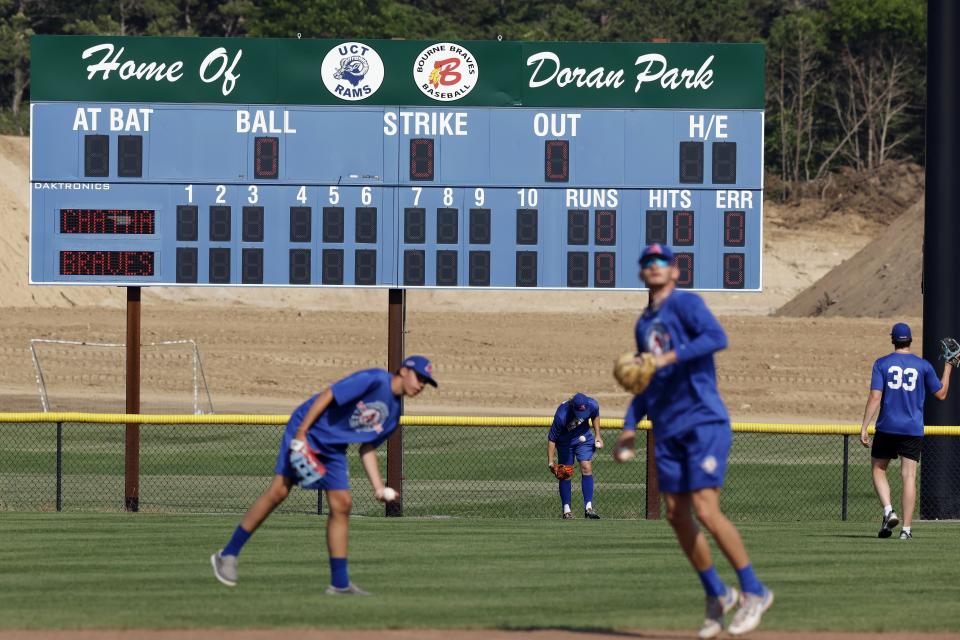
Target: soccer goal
column 74, row 375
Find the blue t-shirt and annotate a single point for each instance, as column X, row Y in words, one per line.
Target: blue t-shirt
column 682, row 395
column 905, row 380
column 567, row 428
column 363, row 410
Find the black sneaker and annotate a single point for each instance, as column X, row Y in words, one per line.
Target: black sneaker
column 889, row 522
column 906, row 535
column 590, row 514
column 568, row 515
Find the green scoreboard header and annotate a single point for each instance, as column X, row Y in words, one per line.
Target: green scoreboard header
column 389, row 72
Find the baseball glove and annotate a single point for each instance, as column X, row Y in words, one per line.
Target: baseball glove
column 562, row 471
column 305, row 463
column 950, row 351
column 634, row 371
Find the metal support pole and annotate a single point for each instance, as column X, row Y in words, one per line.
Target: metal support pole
column 653, row 485
column 59, row 467
column 844, row 495
column 131, row 471
column 319, row 503
column 395, row 352
column 939, row 487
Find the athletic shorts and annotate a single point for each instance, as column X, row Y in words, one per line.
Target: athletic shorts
column 334, row 459
column 580, row 450
column 693, row 460
column 887, row 446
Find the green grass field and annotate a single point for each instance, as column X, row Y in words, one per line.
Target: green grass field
column 113, row 570
column 453, row 471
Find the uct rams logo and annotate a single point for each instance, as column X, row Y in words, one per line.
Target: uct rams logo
column 352, row 71
column 445, row 71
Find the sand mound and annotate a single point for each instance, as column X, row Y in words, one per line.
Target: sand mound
column 882, row 280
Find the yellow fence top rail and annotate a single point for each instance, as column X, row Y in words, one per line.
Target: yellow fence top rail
column 428, row 421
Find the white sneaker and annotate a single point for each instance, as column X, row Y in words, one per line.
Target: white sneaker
column 717, row 607
column 350, row 590
column 751, row 610
column 224, row 568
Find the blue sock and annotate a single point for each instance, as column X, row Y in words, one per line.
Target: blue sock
column 239, row 538
column 586, row 485
column 749, row 582
column 338, row 573
column 565, row 492
column 712, row 583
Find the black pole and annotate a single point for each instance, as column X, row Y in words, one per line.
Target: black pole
column 939, row 482
column 844, row 493
column 59, row 467
column 396, row 318
column 319, row 503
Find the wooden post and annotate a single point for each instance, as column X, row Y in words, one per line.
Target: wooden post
column 396, row 319
column 131, row 471
column 653, row 486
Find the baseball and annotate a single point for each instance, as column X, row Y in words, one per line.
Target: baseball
column 389, row 495
column 583, row 438
column 624, row 454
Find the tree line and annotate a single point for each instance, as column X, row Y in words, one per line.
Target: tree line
column 845, row 84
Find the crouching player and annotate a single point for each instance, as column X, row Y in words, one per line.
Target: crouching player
column 692, row 437
column 362, row 408
column 575, row 434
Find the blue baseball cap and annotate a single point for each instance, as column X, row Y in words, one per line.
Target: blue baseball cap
column 901, row 332
column 421, row 365
column 656, row 249
column 581, row 405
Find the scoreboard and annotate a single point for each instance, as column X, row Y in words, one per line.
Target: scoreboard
column 165, row 161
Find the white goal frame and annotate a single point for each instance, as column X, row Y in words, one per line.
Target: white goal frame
column 199, row 377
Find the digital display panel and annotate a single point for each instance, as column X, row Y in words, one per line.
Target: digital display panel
column 108, row 221
column 522, row 183
column 107, row 263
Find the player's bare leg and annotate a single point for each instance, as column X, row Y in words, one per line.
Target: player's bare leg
column 689, row 535
column 880, row 484
column 720, row 599
column 338, row 534
column 706, row 503
column 908, row 472
column 882, row 487
column 338, row 523
column 224, row 562
column 269, row 500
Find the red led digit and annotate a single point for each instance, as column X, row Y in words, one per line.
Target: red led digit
column 556, row 156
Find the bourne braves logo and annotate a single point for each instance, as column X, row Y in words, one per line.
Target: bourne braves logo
column 352, row 71
column 445, row 71
column 369, row 417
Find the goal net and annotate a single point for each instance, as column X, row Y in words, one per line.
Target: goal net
column 75, row 375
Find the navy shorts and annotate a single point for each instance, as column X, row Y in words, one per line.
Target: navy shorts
column 337, row 476
column 582, row 451
column 694, row 460
column 887, row 446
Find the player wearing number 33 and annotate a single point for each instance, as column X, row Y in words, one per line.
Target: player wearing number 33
column 363, row 408
column 898, row 387
column 692, row 437
column 575, row 434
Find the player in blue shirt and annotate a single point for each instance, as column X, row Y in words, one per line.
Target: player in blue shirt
column 692, row 437
column 575, row 433
column 898, row 387
column 363, row 408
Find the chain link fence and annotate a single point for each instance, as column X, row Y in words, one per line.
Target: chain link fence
column 480, row 471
